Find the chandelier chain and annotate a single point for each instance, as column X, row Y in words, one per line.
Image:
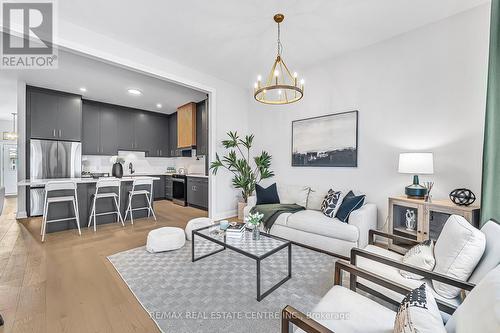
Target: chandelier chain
column 280, row 46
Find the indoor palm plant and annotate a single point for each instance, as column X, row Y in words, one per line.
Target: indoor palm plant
column 245, row 173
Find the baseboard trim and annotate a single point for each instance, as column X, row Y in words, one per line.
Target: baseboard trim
column 225, row 215
column 21, row 215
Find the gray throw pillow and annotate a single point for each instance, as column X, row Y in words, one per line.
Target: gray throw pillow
column 422, row 256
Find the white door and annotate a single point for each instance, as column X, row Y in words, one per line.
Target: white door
column 9, row 169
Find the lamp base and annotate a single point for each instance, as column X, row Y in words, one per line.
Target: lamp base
column 415, row 190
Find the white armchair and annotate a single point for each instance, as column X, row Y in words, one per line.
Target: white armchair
column 478, row 313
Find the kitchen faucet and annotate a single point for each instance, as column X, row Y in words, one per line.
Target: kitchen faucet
column 131, row 168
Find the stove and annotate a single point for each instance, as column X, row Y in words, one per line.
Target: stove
column 179, row 189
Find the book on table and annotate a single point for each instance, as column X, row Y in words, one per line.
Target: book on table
column 236, row 231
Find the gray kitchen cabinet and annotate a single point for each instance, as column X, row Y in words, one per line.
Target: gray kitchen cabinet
column 197, row 192
column 126, row 133
column 54, row 115
column 108, row 130
column 168, row 187
column 90, row 129
column 69, row 117
column 163, row 136
column 172, row 132
column 202, row 128
column 159, row 188
column 144, row 125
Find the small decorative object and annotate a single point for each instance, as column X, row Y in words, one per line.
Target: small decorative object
column 117, row 170
column 462, row 197
column 326, row 141
column 428, row 186
column 224, row 224
column 411, row 220
column 255, row 220
column 239, row 163
column 416, row 163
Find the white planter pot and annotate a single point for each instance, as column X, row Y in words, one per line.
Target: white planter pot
column 241, row 206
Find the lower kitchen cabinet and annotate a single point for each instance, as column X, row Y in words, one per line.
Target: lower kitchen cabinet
column 168, row 188
column 197, row 192
column 159, row 188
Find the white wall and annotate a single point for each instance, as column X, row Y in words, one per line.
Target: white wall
column 228, row 102
column 421, row 91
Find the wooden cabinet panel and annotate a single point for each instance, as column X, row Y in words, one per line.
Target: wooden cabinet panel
column 186, row 126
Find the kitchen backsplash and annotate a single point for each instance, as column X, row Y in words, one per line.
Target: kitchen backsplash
column 141, row 164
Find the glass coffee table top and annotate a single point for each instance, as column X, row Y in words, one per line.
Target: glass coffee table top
column 265, row 245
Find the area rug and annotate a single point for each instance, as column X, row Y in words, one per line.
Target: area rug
column 218, row 293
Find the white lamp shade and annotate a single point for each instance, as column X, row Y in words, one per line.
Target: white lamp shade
column 416, row 163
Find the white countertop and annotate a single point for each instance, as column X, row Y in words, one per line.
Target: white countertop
column 199, row 175
column 40, row 182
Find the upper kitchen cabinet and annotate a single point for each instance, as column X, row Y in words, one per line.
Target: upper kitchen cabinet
column 172, row 135
column 202, row 128
column 160, row 129
column 126, row 129
column 55, row 115
column 91, row 131
column 144, row 124
column 108, row 130
column 186, row 126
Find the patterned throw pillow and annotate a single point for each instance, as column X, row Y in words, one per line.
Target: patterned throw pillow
column 419, row 313
column 422, row 256
column 331, row 203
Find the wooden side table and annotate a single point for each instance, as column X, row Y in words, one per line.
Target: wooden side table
column 429, row 218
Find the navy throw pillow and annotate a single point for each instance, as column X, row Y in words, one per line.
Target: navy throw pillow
column 267, row 195
column 350, row 203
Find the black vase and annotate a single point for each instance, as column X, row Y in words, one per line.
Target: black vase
column 117, row 170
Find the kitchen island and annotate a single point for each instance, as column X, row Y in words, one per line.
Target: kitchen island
column 85, row 191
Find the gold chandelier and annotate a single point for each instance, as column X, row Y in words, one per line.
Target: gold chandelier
column 281, row 86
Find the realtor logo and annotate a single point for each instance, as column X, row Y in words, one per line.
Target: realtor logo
column 27, row 38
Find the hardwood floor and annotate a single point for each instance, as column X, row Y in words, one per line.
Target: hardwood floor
column 66, row 284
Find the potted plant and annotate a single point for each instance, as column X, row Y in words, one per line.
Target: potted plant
column 254, row 220
column 238, row 161
column 117, row 170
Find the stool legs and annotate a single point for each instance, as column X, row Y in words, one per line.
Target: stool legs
column 118, row 214
column 149, row 198
column 149, row 207
column 77, row 216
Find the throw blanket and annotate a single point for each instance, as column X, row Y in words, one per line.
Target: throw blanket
column 272, row 211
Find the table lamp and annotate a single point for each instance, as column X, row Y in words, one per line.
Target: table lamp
column 416, row 164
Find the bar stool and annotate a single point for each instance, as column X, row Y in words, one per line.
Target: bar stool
column 147, row 181
column 60, row 186
column 106, row 183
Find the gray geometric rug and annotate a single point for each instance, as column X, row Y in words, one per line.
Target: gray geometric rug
column 218, row 293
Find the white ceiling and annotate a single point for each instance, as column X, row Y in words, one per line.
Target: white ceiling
column 104, row 82
column 235, row 40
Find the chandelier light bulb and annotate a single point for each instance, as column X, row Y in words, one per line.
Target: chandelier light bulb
column 295, row 75
column 255, row 85
column 279, row 92
column 276, row 73
column 302, row 82
column 259, row 78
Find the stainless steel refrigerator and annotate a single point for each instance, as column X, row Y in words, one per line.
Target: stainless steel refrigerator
column 52, row 159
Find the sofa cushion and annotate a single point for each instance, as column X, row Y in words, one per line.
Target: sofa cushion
column 315, row 222
column 392, row 274
column 267, row 195
column 350, row 203
column 491, row 255
column 331, row 203
column 342, row 310
column 418, row 313
column 315, row 199
column 480, row 311
column 422, row 256
column 293, row 194
column 458, row 249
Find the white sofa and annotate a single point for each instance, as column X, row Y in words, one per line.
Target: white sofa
column 312, row 228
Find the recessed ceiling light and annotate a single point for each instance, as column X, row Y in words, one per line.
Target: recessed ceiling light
column 82, row 89
column 158, row 105
column 134, row 92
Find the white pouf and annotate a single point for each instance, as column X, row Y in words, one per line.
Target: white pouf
column 196, row 223
column 165, row 239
